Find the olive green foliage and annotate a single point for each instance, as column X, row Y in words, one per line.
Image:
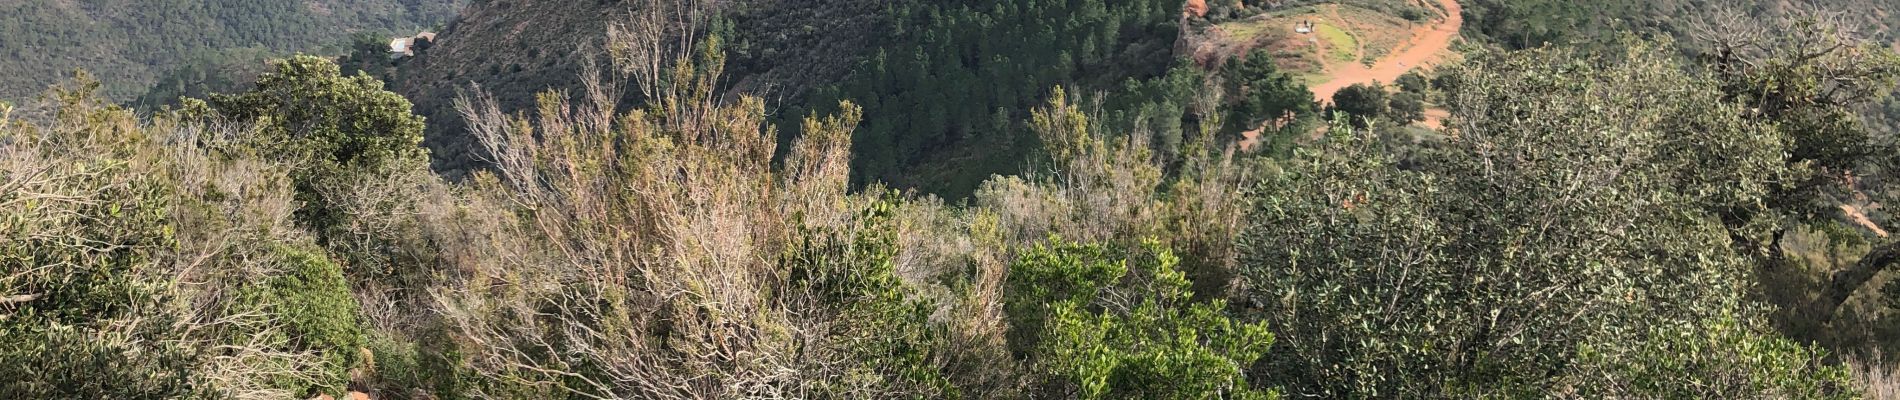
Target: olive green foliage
column 1406, row 107
column 331, row 129
column 1413, row 82
column 1111, row 186
column 142, row 261
column 889, row 335
column 1109, row 328
column 1721, row 358
column 1811, row 79
column 1361, row 103
column 1484, row 271
column 317, row 310
column 1814, row 78
column 74, row 268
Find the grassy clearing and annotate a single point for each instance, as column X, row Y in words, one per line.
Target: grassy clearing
column 1245, row 31
column 1349, row 33
column 1341, row 46
column 1378, row 33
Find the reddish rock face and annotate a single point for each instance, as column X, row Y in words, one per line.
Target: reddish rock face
column 350, row 396
column 1196, row 8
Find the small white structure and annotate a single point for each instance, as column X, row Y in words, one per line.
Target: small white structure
column 408, row 46
column 399, row 47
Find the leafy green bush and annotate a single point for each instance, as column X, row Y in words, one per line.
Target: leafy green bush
column 330, row 129
column 1108, row 331
column 1412, row 82
column 1407, row 107
column 1483, row 269
column 79, row 362
column 316, row 309
column 84, row 307
column 1361, row 103
column 139, row 264
column 1722, row 358
column 891, row 347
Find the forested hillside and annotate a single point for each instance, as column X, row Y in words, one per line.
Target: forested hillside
column 1533, row 23
column 710, row 200
column 132, row 44
column 945, row 85
column 515, row 49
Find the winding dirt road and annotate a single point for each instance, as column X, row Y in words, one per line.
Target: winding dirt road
column 1427, row 46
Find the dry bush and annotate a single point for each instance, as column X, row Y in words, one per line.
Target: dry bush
column 657, row 249
column 1875, row 376
column 167, row 212
column 1114, row 187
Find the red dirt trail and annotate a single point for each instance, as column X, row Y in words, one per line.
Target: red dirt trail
column 1425, row 47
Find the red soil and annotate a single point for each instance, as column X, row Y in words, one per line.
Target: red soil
column 1425, row 47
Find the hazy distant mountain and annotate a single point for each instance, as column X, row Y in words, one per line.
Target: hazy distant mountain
column 130, row 44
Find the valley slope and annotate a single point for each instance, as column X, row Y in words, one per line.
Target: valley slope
column 131, row 44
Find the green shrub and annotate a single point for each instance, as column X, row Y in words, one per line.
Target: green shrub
column 84, row 230
column 1412, row 82
column 79, row 362
column 1052, row 274
column 1407, row 107
column 1111, row 332
column 1362, row 103
column 317, row 312
column 328, row 128
column 885, row 333
column 1723, row 358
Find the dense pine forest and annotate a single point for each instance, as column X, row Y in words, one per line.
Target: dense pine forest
column 967, row 199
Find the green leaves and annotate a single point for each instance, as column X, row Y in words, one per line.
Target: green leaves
column 152, row 268
column 1718, row 358
column 1362, row 103
column 1575, row 205
column 1109, row 330
column 331, row 130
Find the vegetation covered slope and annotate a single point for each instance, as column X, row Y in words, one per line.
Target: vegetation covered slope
column 515, row 49
column 945, row 84
column 662, row 253
column 132, row 44
column 1593, row 224
column 1533, row 23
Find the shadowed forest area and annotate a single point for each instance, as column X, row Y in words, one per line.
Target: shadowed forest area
column 992, row 199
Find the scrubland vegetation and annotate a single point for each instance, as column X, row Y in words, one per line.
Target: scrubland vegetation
column 1591, row 223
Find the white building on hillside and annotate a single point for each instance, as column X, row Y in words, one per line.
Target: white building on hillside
column 408, row 46
column 399, row 47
